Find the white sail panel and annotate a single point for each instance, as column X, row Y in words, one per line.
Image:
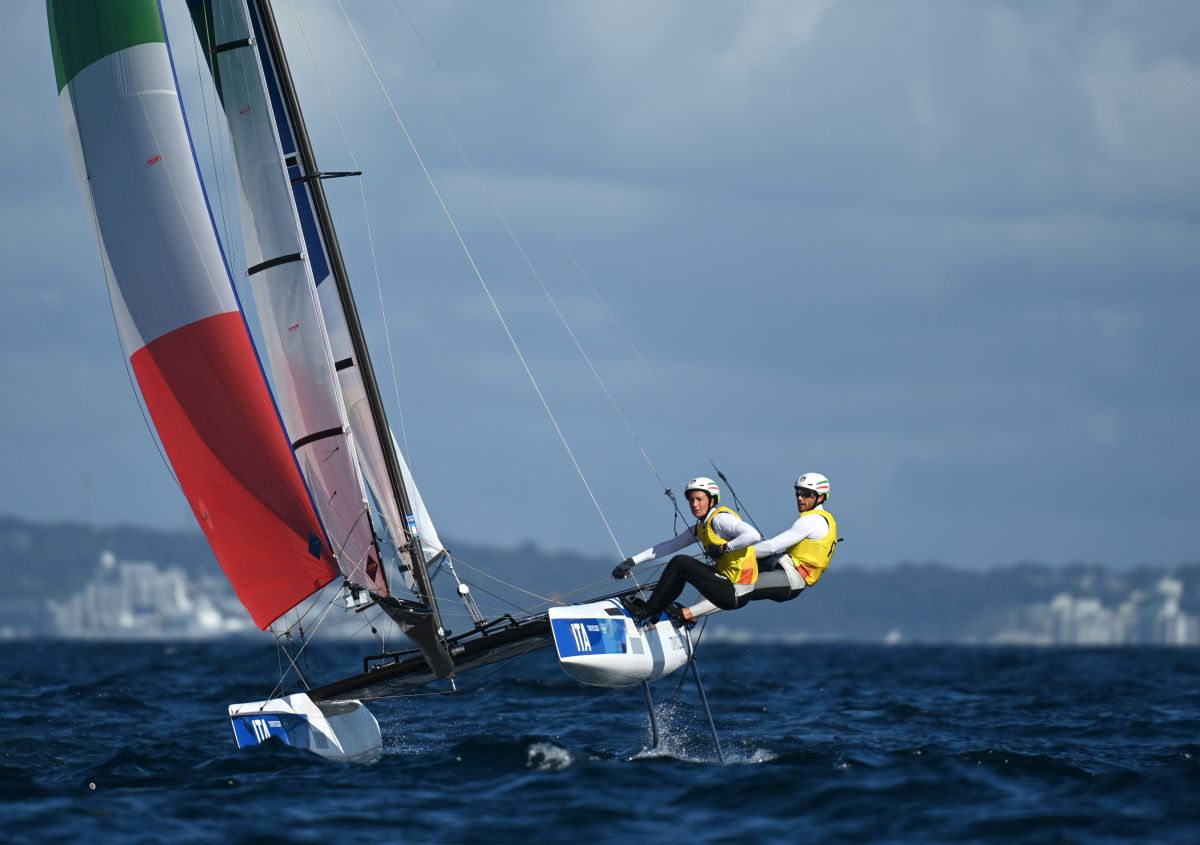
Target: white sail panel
column 297, row 346
column 430, row 542
column 364, row 425
column 364, row 428
column 120, row 105
column 398, row 526
column 388, row 481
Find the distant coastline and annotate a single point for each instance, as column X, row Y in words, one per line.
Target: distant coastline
column 75, row 581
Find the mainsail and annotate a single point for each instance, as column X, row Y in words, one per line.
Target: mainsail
column 249, row 74
column 317, row 352
column 175, row 307
column 293, row 330
column 403, row 514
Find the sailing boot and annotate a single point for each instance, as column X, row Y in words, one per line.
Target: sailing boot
column 675, row 614
column 636, row 605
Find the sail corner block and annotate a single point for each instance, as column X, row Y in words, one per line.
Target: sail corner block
column 341, row 730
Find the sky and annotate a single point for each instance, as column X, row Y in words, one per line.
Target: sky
column 945, row 253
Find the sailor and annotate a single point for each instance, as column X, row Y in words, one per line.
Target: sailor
column 803, row 551
column 791, row 561
column 725, row 538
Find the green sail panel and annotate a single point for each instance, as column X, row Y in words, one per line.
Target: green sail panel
column 84, row 31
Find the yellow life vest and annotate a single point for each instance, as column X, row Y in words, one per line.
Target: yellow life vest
column 812, row 556
column 740, row 567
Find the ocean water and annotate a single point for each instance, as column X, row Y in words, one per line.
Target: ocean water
column 824, row 743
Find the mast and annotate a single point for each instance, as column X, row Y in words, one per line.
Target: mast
column 311, row 175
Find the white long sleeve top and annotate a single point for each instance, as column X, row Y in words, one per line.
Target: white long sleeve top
column 737, row 533
column 808, row 526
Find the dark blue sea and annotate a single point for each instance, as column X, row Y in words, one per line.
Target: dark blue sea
column 825, row 743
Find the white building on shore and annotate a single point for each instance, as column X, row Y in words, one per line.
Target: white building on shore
column 1145, row 618
column 136, row 600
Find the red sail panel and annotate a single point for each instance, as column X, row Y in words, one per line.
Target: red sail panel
column 211, row 407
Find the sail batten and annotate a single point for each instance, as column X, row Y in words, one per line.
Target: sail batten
column 177, row 315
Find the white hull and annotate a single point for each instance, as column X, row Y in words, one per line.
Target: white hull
column 343, row 730
column 599, row 644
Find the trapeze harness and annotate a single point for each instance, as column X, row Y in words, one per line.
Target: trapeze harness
column 741, row 566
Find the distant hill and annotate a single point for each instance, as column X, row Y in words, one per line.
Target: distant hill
column 45, row 560
column 923, row 602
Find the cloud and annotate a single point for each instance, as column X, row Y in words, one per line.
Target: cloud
column 931, row 249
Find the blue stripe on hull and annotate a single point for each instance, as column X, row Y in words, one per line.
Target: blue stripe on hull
column 591, row 636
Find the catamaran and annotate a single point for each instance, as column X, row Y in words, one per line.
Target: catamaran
column 278, row 438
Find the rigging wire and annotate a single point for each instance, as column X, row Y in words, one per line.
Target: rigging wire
column 403, row 529
column 742, row 509
column 524, row 254
column 509, row 605
column 307, row 639
column 672, row 398
column 479, row 122
column 369, row 232
column 501, row 581
column 479, row 276
column 543, row 600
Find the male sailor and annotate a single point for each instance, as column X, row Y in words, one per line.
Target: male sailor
column 725, row 537
column 803, row 551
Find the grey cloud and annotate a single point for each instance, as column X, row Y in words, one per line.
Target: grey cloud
column 934, row 250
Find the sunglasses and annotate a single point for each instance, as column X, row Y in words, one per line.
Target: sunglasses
column 807, row 494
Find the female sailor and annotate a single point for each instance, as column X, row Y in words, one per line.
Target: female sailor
column 725, row 537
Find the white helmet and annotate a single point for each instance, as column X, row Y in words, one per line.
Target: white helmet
column 706, row 484
column 814, row 481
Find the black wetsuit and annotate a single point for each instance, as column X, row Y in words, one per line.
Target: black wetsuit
column 683, row 570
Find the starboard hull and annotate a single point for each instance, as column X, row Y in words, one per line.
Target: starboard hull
column 599, row 644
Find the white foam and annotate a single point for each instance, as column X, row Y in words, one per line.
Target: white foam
column 679, row 738
column 548, row 757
